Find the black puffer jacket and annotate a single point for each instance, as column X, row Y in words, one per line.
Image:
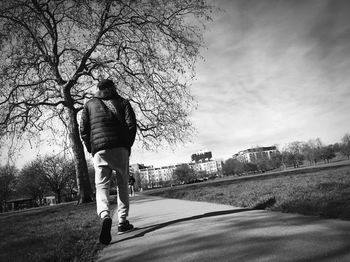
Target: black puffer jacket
column 101, row 129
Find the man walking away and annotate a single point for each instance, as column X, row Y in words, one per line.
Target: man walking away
column 108, row 129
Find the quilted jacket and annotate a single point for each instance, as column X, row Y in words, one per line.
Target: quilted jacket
column 101, row 129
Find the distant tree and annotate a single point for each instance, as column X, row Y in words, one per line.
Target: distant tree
column 318, row 145
column 167, row 183
column 228, row 167
column 137, row 184
column 337, row 147
column 70, row 191
column 162, row 182
column 292, row 154
column 295, row 147
column 345, row 145
column 151, row 181
column 232, row 167
column 309, row 152
column 54, row 52
column 183, row 174
column 143, row 182
column 32, row 180
column 276, row 160
column 327, row 153
column 312, row 150
column 265, row 163
column 261, row 165
column 58, row 172
column 7, row 182
column 292, row 159
column 250, row 167
column 201, row 174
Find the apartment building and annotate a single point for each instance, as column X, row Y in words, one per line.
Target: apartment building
column 209, row 167
column 255, row 154
column 159, row 176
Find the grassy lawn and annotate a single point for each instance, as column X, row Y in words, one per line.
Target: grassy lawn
column 323, row 193
column 64, row 232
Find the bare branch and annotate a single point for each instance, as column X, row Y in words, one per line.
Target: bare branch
column 57, row 50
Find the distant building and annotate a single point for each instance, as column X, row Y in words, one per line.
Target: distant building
column 201, row 162
column 157, row 176
column 16, row 204
column 137, row 167
column 50, row 200
column 255, row 154
column 209, row 167
column 201, row 156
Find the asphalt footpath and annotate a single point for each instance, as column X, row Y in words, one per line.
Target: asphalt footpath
column 180, row 230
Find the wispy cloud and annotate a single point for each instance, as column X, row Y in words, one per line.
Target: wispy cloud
column 274, row 71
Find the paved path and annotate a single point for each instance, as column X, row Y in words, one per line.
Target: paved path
column 179, row 230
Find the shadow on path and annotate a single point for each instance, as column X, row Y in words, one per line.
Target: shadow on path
column 153, row 228
column 189, row 231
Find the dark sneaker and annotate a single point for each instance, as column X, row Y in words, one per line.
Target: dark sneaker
column 105, row 236
column 125, row 227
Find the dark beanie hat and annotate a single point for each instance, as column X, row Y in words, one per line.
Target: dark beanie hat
column 105, row 84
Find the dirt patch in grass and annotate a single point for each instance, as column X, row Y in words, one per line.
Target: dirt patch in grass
column 66, row 232
column 323, row 193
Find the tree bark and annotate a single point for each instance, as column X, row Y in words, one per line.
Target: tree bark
column 82, row 177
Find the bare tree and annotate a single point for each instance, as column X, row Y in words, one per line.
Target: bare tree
column 58, row 172
column 32, row 180
column 327, row 153
column 54, row 52
column 312, row 150
column 7, row 183
column 345, row 146
column 292, row 154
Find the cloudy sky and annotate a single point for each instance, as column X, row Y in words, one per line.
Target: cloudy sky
column 273, row 72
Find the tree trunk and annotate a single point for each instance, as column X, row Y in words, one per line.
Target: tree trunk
column 58, row 193
column 83, row 180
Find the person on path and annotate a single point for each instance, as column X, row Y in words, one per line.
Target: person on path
column 131, row 185
column 108, row 130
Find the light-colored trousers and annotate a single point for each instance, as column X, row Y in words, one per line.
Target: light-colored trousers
column 104, row 162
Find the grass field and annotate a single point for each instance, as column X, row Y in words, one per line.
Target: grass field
column 323, row 192
column 64, row 232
